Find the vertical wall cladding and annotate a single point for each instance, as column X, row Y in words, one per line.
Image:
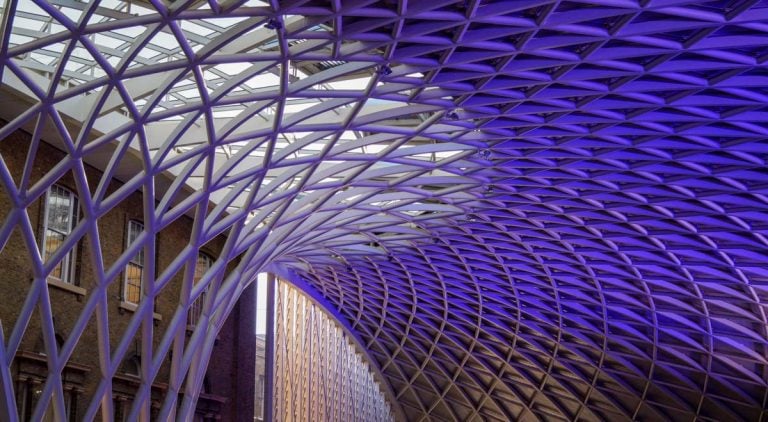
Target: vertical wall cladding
column 81, row 375
column 319, row 375
column 525, row 210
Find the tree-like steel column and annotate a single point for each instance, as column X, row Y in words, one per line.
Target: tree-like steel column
column 548, row 210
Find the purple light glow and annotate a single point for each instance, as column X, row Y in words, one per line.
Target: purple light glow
column 553, row 211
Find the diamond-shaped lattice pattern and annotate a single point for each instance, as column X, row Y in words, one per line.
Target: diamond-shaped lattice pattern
column 527, row 210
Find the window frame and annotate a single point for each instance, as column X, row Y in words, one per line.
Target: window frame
column 196, row 307
column 133, row 261
column 28, row 395
column 68, row 262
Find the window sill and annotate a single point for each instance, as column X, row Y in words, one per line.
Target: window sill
column 67, row 287
column 131, row 307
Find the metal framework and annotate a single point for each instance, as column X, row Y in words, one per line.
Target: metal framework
column 525, row 209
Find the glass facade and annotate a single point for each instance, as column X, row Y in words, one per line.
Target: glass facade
column 307, row 366
column 319, row 373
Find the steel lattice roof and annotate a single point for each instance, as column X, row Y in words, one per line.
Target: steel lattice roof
column 541, row 209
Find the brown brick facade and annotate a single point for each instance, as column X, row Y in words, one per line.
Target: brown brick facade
column 225, row 387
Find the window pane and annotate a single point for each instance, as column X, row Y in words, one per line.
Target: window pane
column 133, row 283
column 59, row 210
column 61, row 207
column 135, row 268
column 202, row 265
column 134, row 230
column 53, row 240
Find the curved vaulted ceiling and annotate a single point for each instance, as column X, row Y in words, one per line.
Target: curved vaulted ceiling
column 548, row 210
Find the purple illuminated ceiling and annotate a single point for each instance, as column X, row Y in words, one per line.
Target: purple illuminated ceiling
column 526, row 210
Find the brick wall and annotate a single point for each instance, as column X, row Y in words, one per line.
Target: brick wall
column 233, row 352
